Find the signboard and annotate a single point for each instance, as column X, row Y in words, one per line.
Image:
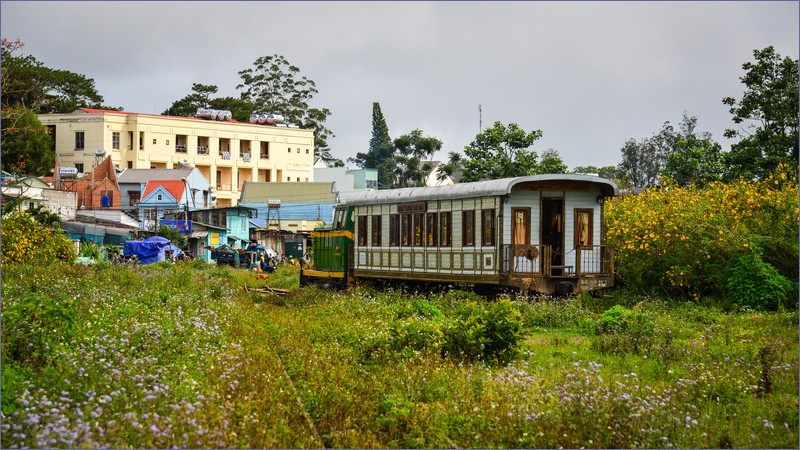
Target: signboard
column 214, row 239
column 181, row 225
column 412, row 207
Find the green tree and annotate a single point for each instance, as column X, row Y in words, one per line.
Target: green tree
column 613, row 173
column 380, row 154
column 26, row 144
column 767, row 115
column 500, row 152
column 274, row 86
column 551, row 162
column 28, row 83
column 696, row 159
column 413, row 152
column 199, row 98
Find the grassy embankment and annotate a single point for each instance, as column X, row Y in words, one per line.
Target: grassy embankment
column 159, row 356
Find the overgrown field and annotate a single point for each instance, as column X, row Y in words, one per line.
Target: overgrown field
column 159, row 356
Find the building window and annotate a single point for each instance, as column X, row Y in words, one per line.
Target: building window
column 487, row 231
column 298, row 149
column 583, row 227
column 445, row 229
column 79, row 140
column 134, row 198
column 376, row 231
column 431, row 228
column 159, row 197
column 264, row 153
column 362, row 230
column 306, row 151
column 289, row 150
column 115, row 140
column 79, row 166
column 406, row 229
column 394, row 229
column 468, row 228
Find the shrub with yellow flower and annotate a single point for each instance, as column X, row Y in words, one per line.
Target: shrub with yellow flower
column 682, row 239
column 26, row 241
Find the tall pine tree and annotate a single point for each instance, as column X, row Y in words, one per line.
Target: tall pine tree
column 381, row 150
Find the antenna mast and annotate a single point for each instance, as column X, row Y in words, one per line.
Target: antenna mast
column 480, row 119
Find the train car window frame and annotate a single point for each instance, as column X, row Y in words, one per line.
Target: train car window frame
column 468, row 228
column 376, row 231
column 362, row 230
column 406, row 229
column 445, row 229
column 432, row 230
column 394, row 230
column 584, row 220
column 487, row 227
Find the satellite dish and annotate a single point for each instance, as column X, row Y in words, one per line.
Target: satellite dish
column 99, row 152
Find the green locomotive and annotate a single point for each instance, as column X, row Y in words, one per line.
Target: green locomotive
column 333, row 249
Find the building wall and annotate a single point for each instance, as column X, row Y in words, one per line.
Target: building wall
column 226, row 153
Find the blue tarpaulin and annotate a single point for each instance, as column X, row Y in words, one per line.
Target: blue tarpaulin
column 147, row 250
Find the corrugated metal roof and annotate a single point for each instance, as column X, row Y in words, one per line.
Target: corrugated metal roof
column 466, row 190
column 297, row 211
column 313, row 192
column 145, row 175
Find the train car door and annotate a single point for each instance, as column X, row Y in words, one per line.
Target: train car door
column 553, row 231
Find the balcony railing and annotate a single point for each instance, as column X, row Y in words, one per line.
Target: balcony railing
column 202, row 149
column 181, row 148
column 541, row 260
column 225, row 155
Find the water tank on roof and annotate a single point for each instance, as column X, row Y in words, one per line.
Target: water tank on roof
column 274, row 119
column 253, row 118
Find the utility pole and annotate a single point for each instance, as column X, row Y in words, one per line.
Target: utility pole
column 480, row 119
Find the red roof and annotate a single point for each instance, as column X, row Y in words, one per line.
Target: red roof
column 174, row 187
column 111, row 111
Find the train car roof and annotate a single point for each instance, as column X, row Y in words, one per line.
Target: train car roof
column 503, row 186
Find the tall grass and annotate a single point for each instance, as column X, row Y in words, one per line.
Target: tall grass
column 164, row 356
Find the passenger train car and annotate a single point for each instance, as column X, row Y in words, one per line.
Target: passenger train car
column 540, row 233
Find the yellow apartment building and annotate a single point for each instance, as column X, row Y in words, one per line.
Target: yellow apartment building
column 228, row 153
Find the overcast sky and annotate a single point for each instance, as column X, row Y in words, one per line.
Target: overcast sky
column 590, row 75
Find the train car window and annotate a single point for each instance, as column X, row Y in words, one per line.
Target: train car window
column 362, row 230
column 520, row 226
column 419, row 229
column 487, row 230
column 468, row 228
column 376, row 231
column 432, row 230
column 406, row 229
column 394, row 229
column 583, row 226
column 338, row 219
column 445, row 229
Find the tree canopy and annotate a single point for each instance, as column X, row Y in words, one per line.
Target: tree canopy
column 413, row 153
column 767, row 115
column 29, row 84
column 274, row 86
column 499, row 152
column 30, row 88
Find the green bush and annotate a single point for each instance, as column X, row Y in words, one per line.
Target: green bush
column 34, row 326
column 622, row 330
column 491, row 333
column 751, row 282
column 614, row 319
